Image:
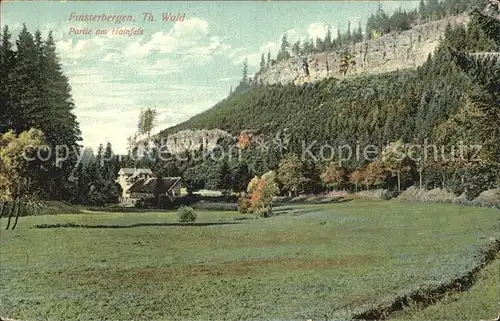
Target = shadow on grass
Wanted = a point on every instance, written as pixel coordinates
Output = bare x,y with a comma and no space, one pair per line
292,211
312,202
73,225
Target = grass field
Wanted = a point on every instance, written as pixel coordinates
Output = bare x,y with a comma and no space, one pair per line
483,298
310,261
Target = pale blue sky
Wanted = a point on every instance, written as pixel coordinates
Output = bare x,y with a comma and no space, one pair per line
179,68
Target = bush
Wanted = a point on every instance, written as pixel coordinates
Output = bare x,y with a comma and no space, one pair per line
140,204
244,205
386,195
263,212
436,195
488,198
186,214
374,194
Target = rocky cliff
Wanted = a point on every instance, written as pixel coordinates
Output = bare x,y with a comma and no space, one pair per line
192,140
407,49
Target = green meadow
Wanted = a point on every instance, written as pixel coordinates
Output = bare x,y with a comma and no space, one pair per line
307,262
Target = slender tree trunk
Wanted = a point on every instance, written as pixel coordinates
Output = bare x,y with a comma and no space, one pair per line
443,182
18,209
420,178
1,209
399,183
11,211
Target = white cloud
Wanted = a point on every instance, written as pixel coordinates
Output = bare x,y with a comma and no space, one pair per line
204,53
111,57
184,36
226,79
135,49
254,57
82,48
293,36
317,30
161,67
191,26
236,52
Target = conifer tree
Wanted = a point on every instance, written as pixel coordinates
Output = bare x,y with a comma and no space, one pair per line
244,78
262,63
328,39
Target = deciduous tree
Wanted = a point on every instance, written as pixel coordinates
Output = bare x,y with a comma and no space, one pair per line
290,174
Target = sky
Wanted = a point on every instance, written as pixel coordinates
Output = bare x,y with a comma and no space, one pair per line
180,68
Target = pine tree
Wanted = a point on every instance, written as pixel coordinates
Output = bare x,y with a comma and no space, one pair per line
359,35
320,46
339,39
244,78
7,112
110,164
59,123
328,39
349,36
296,48
262,63
422,11
283,54
223,176
241,176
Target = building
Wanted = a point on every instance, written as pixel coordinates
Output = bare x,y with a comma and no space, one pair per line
139,183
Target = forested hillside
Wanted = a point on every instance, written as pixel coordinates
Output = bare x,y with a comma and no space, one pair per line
452,98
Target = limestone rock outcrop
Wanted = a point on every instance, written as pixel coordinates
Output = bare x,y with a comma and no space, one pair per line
401,50
192,140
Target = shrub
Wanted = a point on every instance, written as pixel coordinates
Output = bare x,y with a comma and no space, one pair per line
421,195
186,214
263,212
462,200
244,205
386,195
488,198
374,194
140,204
